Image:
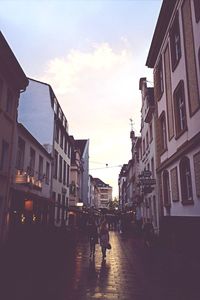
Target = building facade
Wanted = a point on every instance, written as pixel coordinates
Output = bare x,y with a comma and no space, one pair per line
147,155
174,56
41,113
13,81
31,186
105,193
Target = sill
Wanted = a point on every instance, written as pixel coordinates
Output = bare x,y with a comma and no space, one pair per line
180,133
187,202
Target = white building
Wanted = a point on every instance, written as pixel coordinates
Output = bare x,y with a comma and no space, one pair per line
175,57
31,186
41,113
148,187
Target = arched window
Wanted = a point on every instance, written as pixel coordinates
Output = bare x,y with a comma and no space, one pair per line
186,181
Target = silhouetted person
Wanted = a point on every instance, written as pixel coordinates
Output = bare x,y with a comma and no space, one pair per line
104,238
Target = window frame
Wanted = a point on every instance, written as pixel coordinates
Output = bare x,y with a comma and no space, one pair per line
186,181
175,52
180,109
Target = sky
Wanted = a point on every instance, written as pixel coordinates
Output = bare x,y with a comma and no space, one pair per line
92,53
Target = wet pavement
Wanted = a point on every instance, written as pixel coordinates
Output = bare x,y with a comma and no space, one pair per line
62,270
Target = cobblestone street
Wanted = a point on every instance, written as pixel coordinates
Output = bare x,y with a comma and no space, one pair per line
66,272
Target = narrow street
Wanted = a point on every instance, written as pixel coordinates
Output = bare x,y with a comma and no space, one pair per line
62,270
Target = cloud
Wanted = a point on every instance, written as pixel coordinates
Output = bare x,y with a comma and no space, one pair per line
98,92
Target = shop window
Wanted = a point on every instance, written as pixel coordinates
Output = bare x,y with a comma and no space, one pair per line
175,43
186,181
179,109
197,10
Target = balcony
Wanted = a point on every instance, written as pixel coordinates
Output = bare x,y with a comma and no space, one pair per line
25,179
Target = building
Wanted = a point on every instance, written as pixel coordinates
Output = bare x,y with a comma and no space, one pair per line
41,113
83,146
174,56
76,174
94,194
148,187
105,193
122,186
13,81
31,187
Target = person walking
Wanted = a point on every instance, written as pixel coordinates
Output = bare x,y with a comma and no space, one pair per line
93,236
104,238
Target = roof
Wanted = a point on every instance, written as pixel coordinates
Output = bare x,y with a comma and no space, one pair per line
10,66
160,31
100,183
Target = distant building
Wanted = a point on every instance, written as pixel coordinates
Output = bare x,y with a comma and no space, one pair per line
122,186
41,113
76,174
94,193
13,81
83,146
31,187
147,156
105,193
175,57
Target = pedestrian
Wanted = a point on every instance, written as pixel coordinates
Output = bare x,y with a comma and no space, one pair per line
93,236
104,238
148,233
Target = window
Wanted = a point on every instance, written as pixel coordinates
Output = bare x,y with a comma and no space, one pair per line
20,154
60,168
151,132
40,168
175,43
67,175
69,151
1,88
64,172
179,109
4,156
196,162
61,139
9,103
32,162
159,85
147,139
55,163
186,181
163,132
197,10
47,172
143,146
166,189
65,145
174,184
57,133
152,167
58,208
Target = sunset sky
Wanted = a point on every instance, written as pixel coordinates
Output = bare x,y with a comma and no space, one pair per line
93,54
